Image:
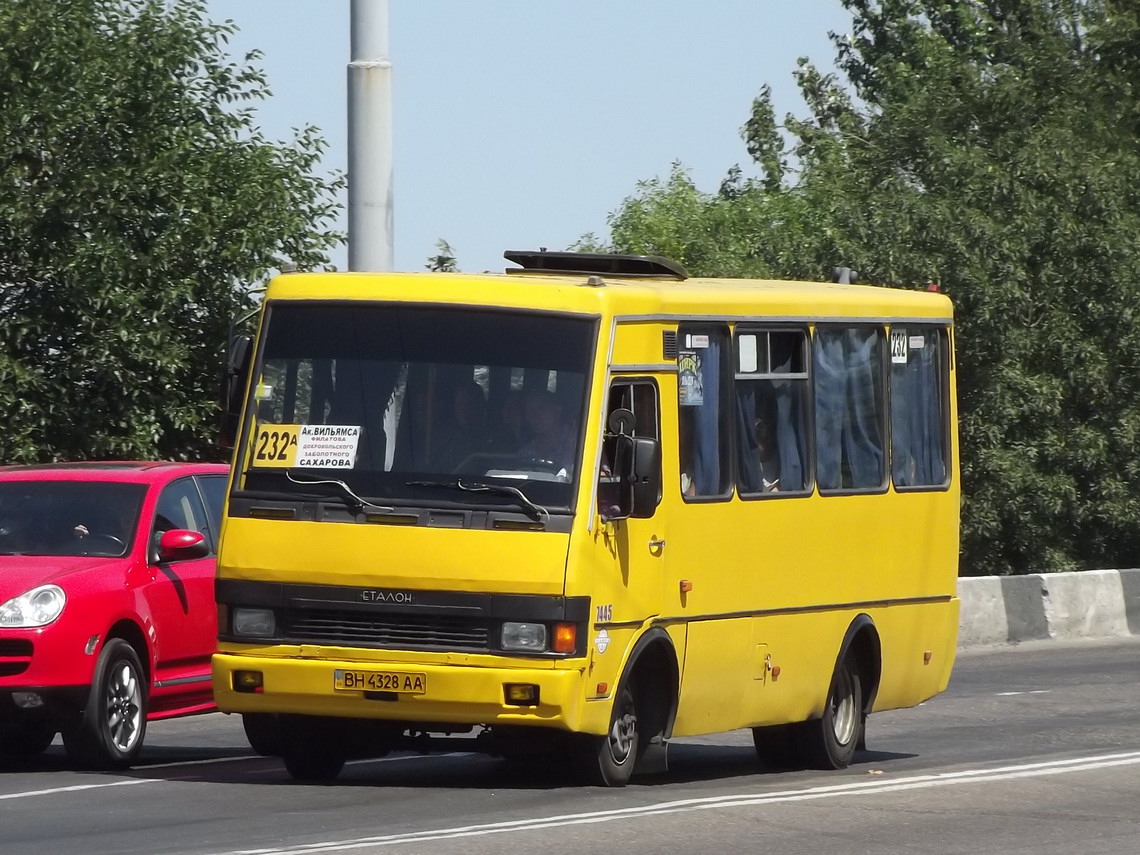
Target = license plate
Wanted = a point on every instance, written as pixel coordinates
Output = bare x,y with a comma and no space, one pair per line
379,681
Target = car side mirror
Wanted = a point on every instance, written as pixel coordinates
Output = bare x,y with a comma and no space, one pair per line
180,544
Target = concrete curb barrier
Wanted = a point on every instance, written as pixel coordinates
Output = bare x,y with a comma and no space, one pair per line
1009,609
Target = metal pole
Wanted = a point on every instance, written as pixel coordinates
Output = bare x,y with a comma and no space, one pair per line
369,139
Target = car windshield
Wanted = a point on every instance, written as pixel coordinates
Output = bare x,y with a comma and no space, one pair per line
68,517
395,400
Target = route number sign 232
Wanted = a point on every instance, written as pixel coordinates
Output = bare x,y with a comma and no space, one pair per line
276,445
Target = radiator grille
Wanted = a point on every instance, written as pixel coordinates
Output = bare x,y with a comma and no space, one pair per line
332,626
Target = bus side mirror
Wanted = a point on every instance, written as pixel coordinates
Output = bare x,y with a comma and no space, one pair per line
645,479
233,388
634,487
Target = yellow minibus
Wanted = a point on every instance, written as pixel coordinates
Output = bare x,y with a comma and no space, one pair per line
583,508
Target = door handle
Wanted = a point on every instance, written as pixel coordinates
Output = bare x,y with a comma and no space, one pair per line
654,545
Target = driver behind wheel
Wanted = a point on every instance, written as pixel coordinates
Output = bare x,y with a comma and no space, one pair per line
552,435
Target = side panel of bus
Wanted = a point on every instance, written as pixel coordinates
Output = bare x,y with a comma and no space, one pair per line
758,593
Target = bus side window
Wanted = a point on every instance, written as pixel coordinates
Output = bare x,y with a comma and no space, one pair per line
850,408
704,441
771,397
920,412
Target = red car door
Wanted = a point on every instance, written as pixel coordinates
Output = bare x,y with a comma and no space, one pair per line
180,596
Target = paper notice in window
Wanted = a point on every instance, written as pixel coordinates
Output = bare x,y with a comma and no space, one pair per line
327,446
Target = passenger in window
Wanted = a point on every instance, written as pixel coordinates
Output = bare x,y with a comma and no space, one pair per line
510,429
552,435
767,456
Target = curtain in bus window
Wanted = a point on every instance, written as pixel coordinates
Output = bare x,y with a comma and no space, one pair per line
791,438
704,465
747,446
361,392
918,436
706,439
848,408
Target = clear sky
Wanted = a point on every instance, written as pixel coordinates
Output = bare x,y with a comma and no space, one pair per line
524,123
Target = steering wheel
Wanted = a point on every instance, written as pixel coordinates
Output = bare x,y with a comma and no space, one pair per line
539,464
103,544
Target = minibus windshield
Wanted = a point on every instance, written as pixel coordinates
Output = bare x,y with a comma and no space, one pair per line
395,400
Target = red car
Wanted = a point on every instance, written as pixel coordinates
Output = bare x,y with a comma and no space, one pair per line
107,615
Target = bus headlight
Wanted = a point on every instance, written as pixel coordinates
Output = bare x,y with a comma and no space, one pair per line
261,623
524,636
38,607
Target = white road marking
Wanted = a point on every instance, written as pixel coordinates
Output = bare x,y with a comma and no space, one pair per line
178,763
73,789
77,787
879,785
1032,692
142,769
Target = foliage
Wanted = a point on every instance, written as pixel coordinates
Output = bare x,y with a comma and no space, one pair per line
990,146
444,259
137,203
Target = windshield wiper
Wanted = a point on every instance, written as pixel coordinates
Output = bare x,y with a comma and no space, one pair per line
539,512
354,502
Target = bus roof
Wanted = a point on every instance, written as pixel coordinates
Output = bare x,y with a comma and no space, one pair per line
614,296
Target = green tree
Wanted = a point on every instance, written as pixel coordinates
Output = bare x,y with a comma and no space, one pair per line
444,259
138,203
990,146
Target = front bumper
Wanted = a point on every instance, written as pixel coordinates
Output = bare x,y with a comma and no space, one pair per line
455,694
59,705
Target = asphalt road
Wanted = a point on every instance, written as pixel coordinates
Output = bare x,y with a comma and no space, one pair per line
1033,749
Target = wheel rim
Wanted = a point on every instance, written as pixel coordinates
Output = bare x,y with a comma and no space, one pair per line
623,734
844,716
124,706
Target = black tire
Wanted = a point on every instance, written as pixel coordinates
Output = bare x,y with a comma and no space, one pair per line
263,730
110,733
830,741
25,741
609,760
780,746
310,752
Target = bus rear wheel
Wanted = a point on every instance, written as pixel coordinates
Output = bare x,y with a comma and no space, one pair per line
780,746
609,760
310,750
830,741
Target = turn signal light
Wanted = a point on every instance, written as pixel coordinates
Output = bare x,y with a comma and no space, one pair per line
565,638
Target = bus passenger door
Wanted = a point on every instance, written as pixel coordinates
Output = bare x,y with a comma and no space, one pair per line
628,592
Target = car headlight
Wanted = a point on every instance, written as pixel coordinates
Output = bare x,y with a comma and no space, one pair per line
524,636
259,623
38,607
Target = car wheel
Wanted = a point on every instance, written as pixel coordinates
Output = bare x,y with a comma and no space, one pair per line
25,741
110,733
609,760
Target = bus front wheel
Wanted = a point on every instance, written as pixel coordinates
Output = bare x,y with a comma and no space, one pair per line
609,760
